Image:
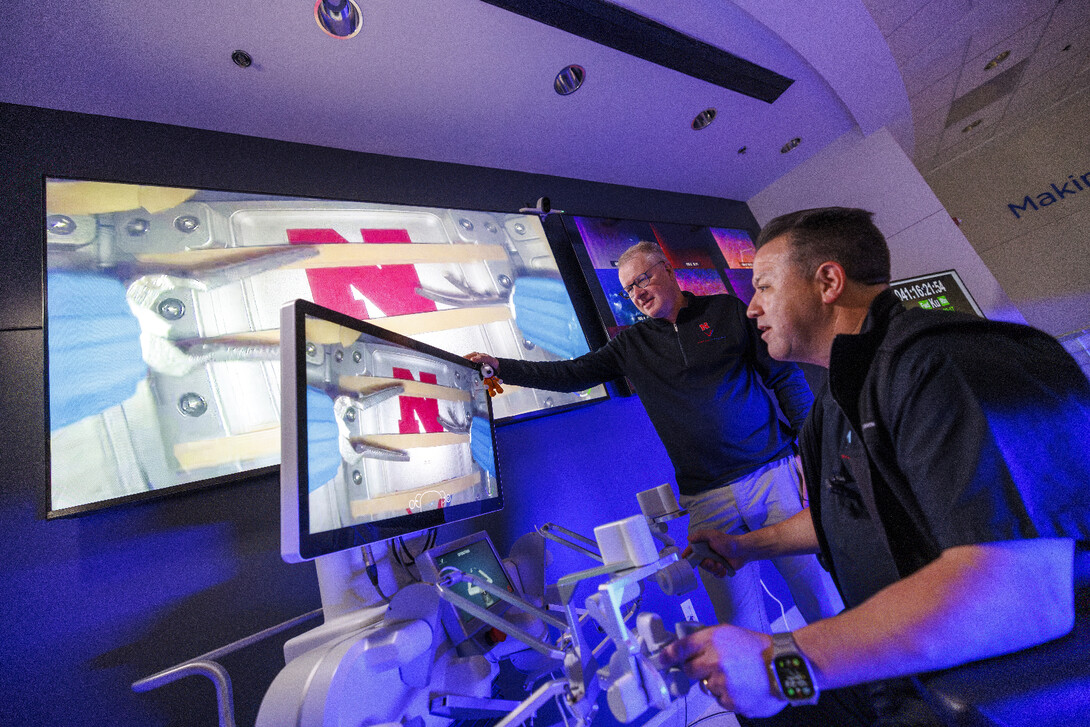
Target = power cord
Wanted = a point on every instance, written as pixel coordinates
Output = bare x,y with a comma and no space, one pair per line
404,556
783,614
372,571
407,558
703,719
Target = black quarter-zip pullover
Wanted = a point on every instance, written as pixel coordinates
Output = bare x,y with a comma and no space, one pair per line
703,384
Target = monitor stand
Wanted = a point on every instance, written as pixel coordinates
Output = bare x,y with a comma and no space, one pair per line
350,602
372,661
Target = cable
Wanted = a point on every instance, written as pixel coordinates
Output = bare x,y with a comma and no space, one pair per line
400,562
396,554
713,714
560,708
430,536
372,571
685,719
407,558
404,555
783,614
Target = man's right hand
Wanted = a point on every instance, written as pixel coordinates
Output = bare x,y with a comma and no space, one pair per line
725,545
484,358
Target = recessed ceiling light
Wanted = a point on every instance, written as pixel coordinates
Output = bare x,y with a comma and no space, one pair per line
569,80
997,60
790,145
242,59
338,18
703,119
972,126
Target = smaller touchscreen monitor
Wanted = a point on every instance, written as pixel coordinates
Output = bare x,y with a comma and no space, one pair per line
382,435
473,554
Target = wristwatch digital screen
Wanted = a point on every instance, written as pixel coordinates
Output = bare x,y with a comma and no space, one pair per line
790,671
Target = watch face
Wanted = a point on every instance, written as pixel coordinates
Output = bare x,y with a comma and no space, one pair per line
794,677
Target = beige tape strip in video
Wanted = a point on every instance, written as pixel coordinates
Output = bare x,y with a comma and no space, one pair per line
400,501
235,448
336,255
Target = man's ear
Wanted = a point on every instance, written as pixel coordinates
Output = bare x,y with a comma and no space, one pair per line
831,280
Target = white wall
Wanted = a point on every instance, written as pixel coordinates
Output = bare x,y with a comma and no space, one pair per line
875,174
1042,256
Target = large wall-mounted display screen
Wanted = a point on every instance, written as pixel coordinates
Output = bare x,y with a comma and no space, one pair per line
707,260
162,318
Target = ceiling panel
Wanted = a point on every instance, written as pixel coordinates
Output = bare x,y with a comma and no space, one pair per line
983,126
936,96
994,21
1074,44
892,14
1019,46
1034,31
1042,89
921,30
934,63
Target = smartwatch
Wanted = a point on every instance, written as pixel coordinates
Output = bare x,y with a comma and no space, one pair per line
790,673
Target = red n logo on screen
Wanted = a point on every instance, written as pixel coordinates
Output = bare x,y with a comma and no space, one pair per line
416,411
391,287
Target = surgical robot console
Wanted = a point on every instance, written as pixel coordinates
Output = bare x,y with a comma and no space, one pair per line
395,663
405,647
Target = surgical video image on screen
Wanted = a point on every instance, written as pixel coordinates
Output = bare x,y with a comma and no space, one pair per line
163,305
391,431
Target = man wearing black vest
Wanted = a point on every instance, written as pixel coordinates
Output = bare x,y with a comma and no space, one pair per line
949,488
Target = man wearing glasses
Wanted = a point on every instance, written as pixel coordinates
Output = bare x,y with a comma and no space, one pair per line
704,376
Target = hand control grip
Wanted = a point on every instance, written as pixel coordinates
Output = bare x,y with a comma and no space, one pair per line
702,550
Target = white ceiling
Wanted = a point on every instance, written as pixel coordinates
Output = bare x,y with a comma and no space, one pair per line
943,46
464,81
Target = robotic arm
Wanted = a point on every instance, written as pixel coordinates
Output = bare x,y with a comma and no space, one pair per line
634,678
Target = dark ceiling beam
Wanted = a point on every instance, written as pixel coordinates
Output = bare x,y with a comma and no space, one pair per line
621,29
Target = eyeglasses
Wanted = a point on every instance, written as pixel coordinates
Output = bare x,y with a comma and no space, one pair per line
641,280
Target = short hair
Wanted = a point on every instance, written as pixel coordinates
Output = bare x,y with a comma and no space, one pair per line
844,235
643,247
